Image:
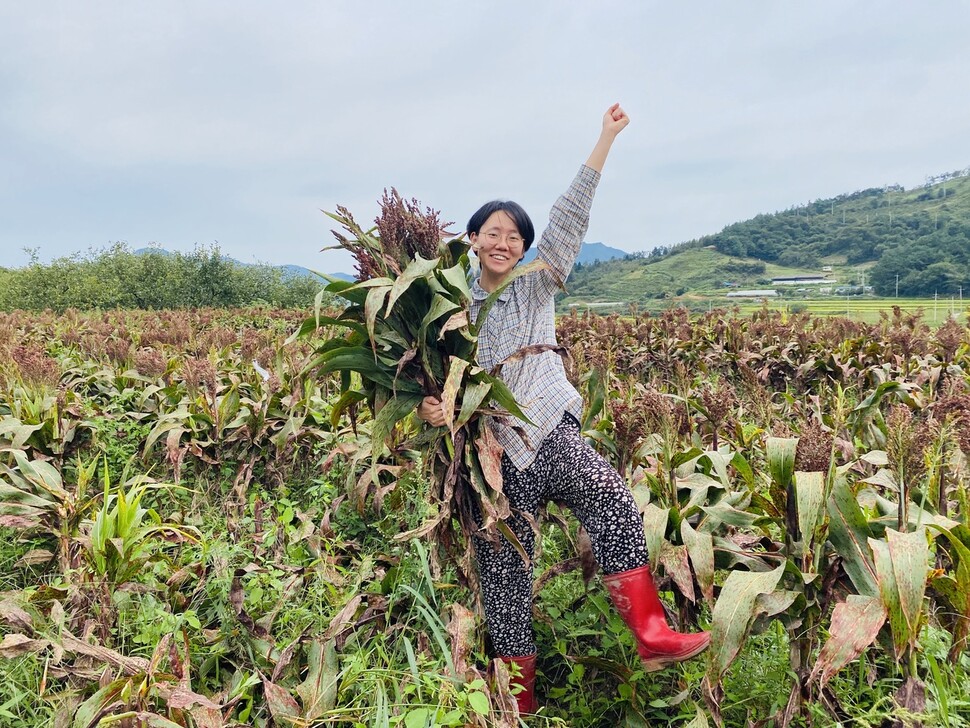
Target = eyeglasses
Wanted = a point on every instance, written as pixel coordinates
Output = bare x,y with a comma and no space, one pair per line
513,239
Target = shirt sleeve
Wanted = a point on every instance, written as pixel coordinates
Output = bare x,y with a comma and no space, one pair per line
561,240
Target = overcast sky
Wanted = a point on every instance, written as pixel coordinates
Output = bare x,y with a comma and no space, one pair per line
184,123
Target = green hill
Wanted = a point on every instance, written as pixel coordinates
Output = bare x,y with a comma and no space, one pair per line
921,235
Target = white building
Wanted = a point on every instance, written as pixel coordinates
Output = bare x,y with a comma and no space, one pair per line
752,294
802,281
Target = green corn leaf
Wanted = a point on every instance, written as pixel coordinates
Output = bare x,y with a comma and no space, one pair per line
356,291
506,400
719,464
394,410
16,433
512,539
318,691
228,406
743,467
956,586
725,513
810,497
440,306
849,534
780,452
417,269
699,720
700,548
455,280
596,396
902,564
347,399
373,305
361,360
735,610
314,323
475,394
654,529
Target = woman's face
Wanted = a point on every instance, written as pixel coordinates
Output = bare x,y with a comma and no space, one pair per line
499,246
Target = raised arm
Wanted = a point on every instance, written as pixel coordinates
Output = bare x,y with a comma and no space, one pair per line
569,219
614,121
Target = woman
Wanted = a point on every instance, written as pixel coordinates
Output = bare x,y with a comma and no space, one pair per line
559,465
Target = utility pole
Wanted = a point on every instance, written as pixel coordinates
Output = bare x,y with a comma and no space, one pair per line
936,297
897,285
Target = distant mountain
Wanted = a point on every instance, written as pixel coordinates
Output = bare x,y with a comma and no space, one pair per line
910,242
297,271
589,253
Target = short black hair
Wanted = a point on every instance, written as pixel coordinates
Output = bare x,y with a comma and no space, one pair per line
514,210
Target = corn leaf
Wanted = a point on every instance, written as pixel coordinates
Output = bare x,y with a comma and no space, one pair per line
849,534
733,614
416,270
810,497
780,452
902,564
855,624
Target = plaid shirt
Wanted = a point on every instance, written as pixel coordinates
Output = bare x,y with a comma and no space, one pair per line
524,314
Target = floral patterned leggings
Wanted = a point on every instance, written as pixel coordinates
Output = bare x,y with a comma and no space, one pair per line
568,470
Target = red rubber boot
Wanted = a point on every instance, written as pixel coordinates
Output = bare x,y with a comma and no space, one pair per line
526,699
635,596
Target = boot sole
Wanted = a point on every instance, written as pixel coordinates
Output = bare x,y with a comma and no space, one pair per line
652,664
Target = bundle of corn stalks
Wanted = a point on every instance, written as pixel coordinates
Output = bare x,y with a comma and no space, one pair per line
409,335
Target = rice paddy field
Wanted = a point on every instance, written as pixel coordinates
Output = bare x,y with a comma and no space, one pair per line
867,309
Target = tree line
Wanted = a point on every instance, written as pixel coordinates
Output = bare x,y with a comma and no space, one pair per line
918,239
116,277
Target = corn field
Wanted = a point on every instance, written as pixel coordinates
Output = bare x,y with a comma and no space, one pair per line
197,531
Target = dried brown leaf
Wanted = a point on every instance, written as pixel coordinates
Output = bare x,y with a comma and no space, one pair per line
563,567
128,665
505,707
344,618
19,522
287,655
490,456
676,562
855,624
15,645
35,557
14,616
461,629
584,548
238,598
181,698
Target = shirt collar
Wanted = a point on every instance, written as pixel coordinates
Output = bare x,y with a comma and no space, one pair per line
480,294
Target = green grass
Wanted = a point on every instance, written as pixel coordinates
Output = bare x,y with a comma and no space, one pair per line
642,280
866,309
858,308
